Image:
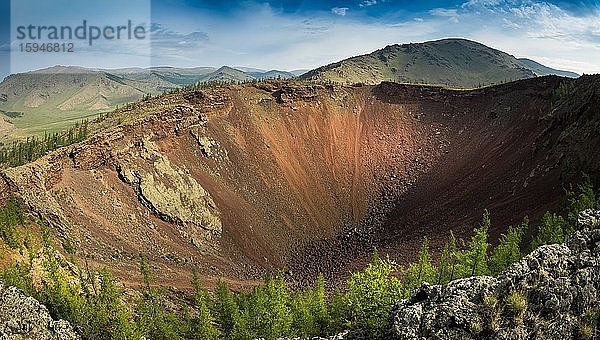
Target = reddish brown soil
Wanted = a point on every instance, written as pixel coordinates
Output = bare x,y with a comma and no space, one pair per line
315,177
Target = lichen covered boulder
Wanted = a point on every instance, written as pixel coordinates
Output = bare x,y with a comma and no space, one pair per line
552,293
23,317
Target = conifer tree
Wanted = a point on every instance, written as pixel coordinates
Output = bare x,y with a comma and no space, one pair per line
338,312
474,260
371,294
448,259
553,229
203,326
508,250
319,306
422,271
303,324
584,199
226,310
154,321
277,303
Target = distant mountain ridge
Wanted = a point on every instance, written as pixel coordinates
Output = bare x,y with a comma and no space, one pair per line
542,70
451,62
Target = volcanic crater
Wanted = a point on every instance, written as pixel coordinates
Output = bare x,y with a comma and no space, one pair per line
308,178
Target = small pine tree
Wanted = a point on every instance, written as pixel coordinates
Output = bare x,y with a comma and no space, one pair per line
448,259
474,259
508,250
303,324
11,216
422,271
277,303
203,325
146,272
338,312
370,295
553,229
151,316
318,305
227,311
258,315
105,315
578,202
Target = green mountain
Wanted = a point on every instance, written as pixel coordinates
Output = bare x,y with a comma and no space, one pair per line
60,96
542,70
273,74
227,74
450,62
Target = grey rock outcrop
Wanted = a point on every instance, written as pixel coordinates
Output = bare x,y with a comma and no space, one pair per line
23,317
172,193
552,293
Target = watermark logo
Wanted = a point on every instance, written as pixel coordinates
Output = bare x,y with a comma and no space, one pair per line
83,32
92,34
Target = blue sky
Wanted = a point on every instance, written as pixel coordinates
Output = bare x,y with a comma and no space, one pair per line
294,34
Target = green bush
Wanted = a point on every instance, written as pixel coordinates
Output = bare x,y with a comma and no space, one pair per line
11,216
516,304
371,294
17,275
588,326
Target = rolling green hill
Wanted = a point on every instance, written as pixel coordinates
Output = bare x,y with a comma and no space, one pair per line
451,62
54,98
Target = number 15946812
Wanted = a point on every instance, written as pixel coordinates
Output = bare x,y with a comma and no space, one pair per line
47,47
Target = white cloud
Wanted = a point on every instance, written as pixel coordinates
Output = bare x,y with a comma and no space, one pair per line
529,28
339,10
367,3
450,13
481,3
165,38
444,12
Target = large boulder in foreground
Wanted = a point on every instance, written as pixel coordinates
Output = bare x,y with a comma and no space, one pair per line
552,293
23,317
